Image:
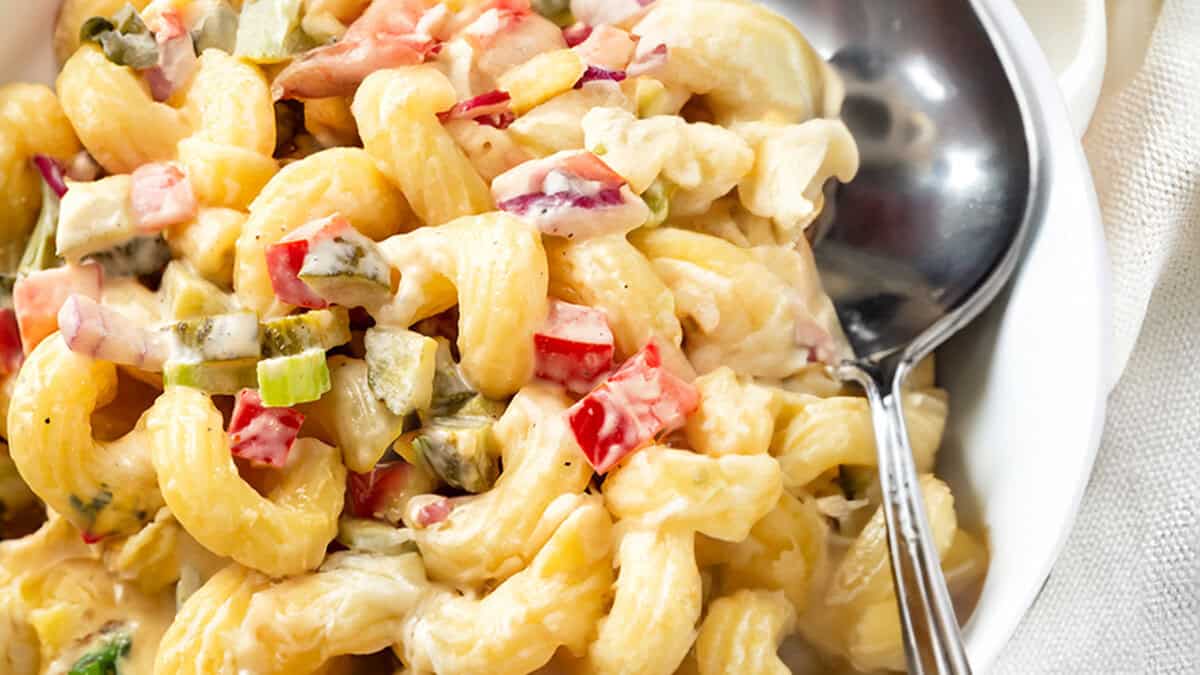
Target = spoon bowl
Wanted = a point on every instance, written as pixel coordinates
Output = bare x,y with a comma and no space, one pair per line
923,239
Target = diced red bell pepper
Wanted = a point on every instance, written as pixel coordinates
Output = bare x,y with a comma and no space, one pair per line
260,434
162,196
38,296
285,259
11,355
641,400
372,495
574,346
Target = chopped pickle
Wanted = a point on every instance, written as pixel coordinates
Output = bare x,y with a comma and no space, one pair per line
215,338
450,388
216,29
269,31
347,270
400,368
319,329
658,198
460,451
104,657
125,39
187,295
358,422
288,380
215,377
557,11
481,407
372,536
39,251
134,257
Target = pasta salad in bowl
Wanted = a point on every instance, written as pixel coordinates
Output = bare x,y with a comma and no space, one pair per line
436,337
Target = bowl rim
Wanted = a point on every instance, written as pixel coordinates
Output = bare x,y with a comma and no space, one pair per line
1063,166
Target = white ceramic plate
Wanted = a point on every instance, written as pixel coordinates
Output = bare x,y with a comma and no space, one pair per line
1027,380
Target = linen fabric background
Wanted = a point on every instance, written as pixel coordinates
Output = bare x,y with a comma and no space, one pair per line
1125,595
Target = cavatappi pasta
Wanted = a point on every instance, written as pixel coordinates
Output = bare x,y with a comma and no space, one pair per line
464,337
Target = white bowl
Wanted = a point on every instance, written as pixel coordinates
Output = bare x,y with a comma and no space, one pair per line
1028,380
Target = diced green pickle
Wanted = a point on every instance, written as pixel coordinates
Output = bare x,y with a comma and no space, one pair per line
269,31
39,250
450,388
216,29
347,270
372,536
216,338
481,407
287,380
658,198
187,295
400,368
460,451
360,424
319,329
214,377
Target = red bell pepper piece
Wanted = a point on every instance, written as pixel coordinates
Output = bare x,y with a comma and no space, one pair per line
641,400
260,434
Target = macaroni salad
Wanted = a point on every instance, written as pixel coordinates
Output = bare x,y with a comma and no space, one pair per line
374,336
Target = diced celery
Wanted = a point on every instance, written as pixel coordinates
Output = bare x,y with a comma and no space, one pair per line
461,452
400,368
360,424
319,329
372,536
134,257
187,295
450,388
214,377
39,251
650,95
658,198
269,31
215,338
217,28
347,270
288,380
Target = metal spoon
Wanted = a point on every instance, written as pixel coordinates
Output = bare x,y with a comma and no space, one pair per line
924,238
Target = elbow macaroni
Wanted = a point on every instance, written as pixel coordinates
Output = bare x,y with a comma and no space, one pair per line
754,518
396,111
496,266
103,488
285,532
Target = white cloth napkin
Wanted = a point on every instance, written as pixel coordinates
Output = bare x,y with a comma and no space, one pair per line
1125,595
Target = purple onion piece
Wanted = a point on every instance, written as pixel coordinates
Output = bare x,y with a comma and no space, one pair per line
51,173
540,202
596,73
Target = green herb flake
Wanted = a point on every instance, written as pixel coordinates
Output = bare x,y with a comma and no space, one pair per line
103,660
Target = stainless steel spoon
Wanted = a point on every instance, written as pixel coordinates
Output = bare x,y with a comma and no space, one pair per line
924,238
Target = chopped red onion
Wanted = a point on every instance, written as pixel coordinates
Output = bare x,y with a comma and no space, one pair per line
576,34
648,62
598,74
540,201
494,102
51,173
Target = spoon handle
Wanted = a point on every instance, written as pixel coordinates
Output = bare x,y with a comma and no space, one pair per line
932,641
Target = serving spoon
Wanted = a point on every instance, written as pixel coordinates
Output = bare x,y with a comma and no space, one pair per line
923,239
